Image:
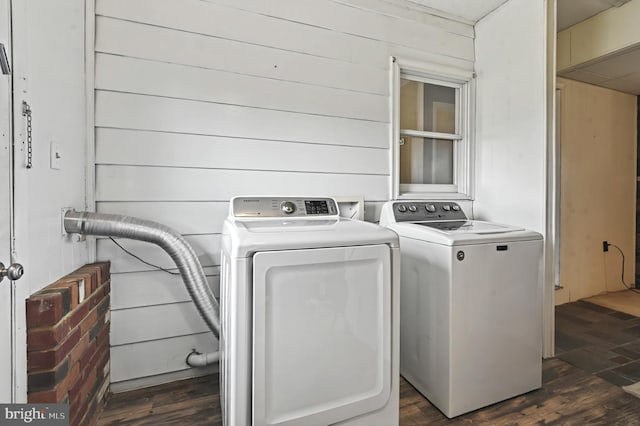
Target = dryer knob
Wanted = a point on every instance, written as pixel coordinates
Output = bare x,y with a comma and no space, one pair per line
446,208
456,208
430,208
413,208
402,208
288,207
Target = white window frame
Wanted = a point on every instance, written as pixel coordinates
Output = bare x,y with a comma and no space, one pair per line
463,82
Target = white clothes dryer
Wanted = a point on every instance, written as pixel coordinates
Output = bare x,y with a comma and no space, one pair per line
470,305
309,316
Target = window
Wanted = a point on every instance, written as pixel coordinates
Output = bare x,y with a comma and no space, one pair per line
431,133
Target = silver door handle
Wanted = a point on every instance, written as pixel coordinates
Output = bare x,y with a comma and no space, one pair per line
13,272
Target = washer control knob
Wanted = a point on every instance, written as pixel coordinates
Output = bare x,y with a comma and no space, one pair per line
413,208
446,208
430,208
287,207
455,207
402,208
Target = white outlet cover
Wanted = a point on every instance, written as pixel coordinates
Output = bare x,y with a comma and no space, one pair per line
56,155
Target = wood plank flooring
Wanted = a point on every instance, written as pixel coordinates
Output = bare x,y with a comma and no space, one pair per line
600,341
627,301
596,348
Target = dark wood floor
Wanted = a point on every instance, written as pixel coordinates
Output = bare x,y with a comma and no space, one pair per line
598,350
599,340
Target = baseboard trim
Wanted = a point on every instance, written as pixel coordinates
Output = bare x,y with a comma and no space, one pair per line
159,379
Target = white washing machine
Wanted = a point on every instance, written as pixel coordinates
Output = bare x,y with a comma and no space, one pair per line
470,305
309,316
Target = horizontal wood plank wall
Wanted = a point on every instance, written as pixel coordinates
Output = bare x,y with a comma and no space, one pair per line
198,101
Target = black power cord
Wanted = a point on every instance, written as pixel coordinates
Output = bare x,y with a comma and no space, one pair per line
150,264
622,277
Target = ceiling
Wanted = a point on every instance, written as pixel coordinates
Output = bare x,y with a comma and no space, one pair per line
468,10
618,71
570,12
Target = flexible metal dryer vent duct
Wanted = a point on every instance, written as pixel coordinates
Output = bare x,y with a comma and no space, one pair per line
112,225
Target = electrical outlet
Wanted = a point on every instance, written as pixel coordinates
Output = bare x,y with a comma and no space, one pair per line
605,246
55,156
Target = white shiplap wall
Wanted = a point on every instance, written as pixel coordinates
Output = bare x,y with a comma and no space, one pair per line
197,101
511,126
510,116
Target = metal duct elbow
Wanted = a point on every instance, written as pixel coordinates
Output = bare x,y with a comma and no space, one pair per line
196,359
111,225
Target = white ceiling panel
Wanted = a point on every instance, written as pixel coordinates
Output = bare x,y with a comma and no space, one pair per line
468,10
631,85
570,12
618,72
616,66
585,76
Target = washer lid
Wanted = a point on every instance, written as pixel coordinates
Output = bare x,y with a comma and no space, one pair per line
473,226
463,232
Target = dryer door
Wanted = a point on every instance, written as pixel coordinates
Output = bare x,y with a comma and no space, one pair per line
322,334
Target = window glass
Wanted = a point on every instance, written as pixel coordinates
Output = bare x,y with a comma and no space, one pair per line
426,160
432,131
427,107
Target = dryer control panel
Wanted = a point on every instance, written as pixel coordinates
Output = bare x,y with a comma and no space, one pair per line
414,211
283,207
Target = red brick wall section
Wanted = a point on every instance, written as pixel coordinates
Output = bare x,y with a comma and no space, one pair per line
68,343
